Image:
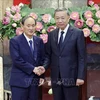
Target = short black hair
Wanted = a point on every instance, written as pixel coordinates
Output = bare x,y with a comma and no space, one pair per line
61,9
26,17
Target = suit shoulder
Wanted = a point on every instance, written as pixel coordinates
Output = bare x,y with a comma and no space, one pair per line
54,31
76,29
38,38
16,38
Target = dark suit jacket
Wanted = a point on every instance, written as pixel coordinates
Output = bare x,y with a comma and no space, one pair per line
70,61
23,62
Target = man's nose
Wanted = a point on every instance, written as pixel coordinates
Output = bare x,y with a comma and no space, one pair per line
30,27
60,20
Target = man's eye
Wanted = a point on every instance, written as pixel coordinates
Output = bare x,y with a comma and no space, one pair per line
62,18
28,25
57,18
33,25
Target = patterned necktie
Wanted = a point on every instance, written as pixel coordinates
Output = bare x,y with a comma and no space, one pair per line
30,41
61,40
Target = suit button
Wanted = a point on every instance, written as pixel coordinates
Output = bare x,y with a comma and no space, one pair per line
59,56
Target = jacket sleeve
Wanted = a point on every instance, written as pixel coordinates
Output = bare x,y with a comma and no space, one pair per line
17,59
47,53
42,53
81,56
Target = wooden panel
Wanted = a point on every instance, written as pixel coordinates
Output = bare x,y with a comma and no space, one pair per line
3,5
93,83
1,9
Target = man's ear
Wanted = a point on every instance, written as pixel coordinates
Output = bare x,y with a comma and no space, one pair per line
21,25
68,18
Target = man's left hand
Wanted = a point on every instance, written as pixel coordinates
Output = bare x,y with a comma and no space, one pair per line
79,82
41,81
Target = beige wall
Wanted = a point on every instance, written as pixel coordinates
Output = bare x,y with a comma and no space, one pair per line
3,5
57,3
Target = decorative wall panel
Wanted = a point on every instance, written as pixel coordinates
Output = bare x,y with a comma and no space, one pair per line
57,3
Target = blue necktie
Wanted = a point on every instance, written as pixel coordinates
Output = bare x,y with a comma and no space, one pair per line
30,41
61,40
33,51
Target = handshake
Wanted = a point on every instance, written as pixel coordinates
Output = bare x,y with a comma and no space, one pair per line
39,70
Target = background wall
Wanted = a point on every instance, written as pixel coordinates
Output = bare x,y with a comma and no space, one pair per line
57,3
3,5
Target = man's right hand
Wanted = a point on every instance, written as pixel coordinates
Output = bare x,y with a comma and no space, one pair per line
39,70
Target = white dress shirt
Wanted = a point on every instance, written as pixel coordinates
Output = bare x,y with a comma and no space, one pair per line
28,39
65,32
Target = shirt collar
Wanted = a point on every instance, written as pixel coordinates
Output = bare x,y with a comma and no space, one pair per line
28,39
65,30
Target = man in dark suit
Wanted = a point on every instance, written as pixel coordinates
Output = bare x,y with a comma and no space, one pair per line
65,54
27,52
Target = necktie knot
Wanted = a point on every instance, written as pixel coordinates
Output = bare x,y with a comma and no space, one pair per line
31,47
61,37
30,41
62,32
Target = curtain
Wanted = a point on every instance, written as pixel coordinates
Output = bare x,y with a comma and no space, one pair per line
95,1
16,2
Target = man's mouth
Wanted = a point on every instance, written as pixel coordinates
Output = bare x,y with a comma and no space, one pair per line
31,31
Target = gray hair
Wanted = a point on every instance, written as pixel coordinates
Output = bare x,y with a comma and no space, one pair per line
26,17
61,9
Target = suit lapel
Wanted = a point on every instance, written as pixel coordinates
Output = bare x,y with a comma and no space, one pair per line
56,37
67,37
26,45
35,48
